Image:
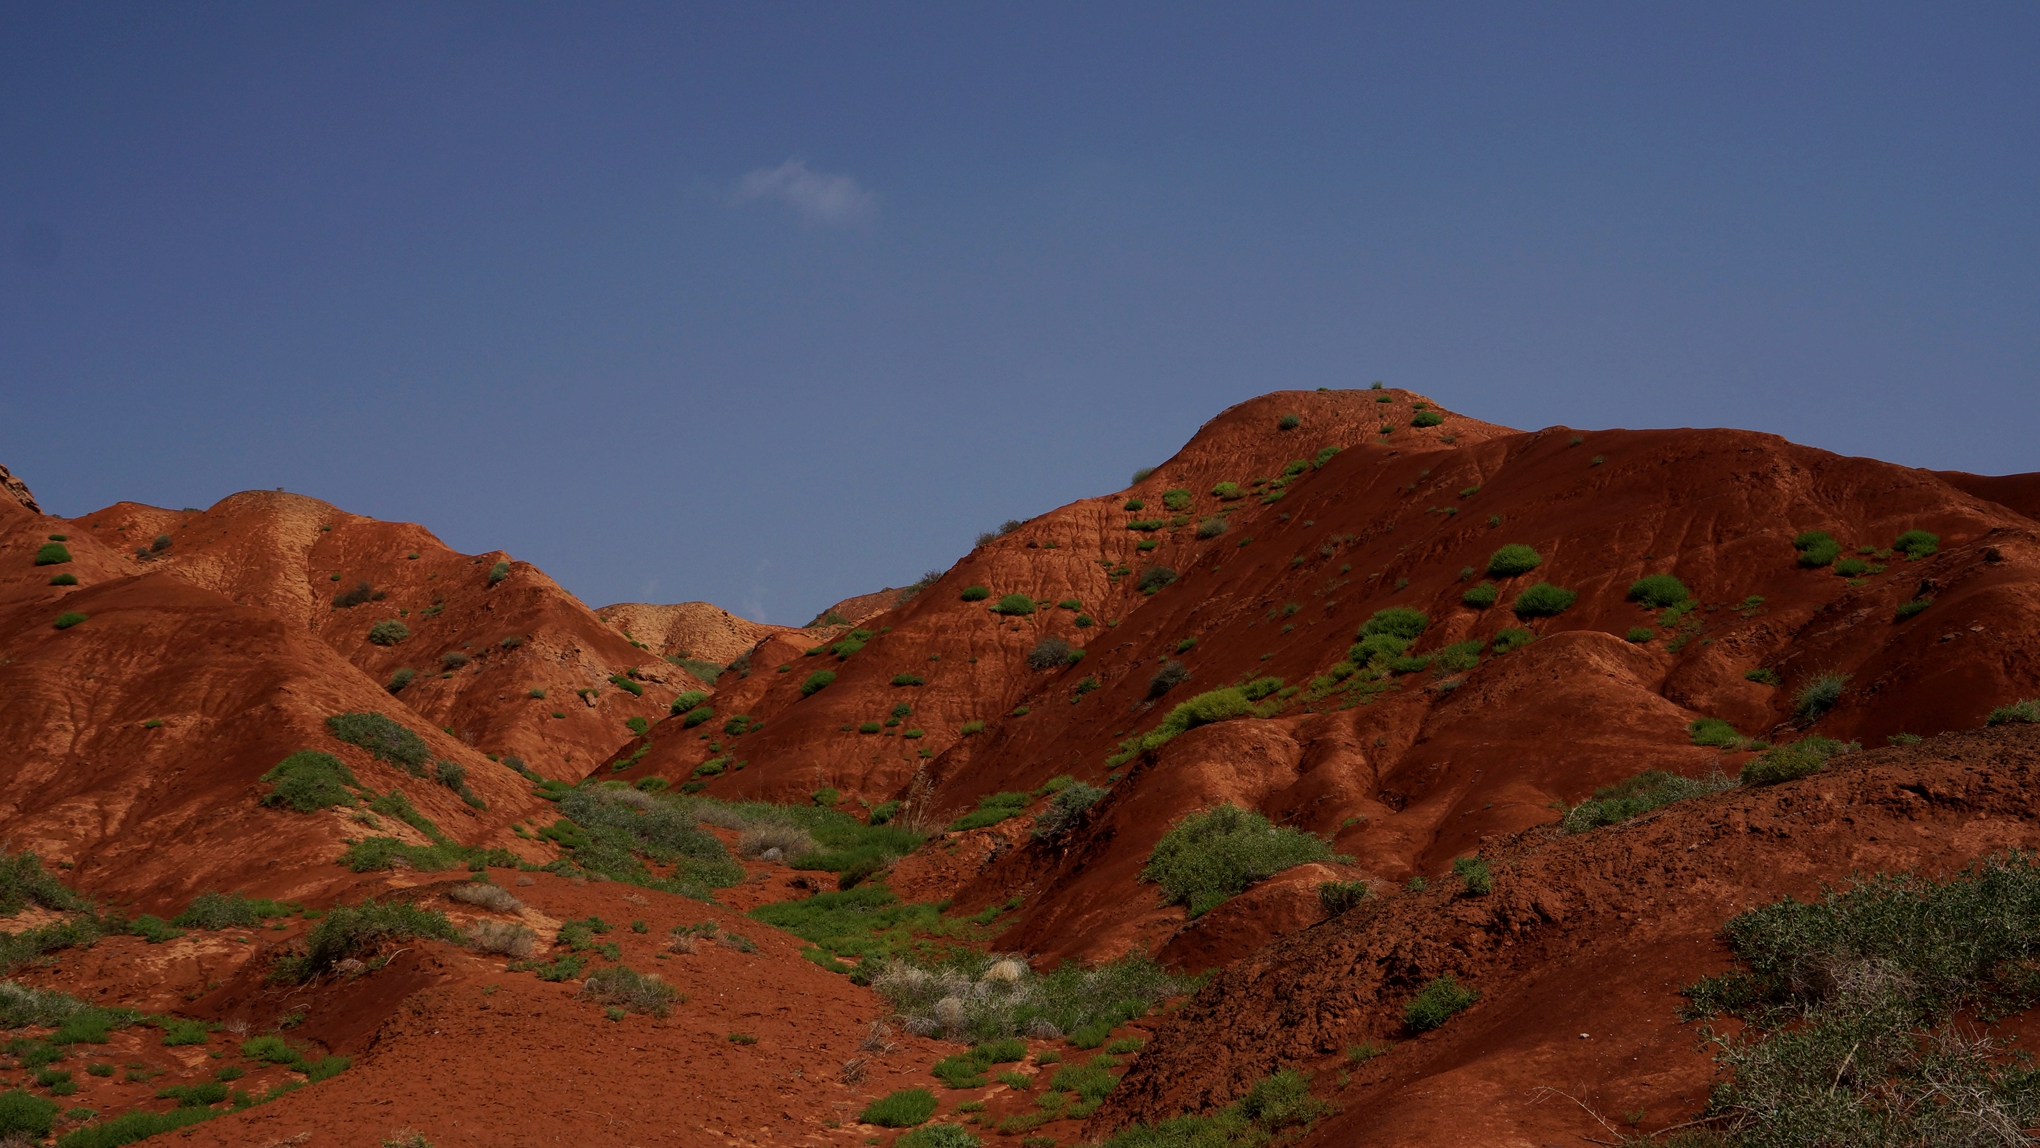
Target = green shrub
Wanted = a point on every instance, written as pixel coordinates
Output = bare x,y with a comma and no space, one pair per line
1154,578
1908,609
384,739
2027,711
128,1127
1917,544
1426,419
1480,596
827,797
1658,591
1850,567
1819,695
1475,875
1513,559
308,781
349,929
1762,675
388,632
1147,525
1066,810
1274,1104
401,678
1714,732
1176,500
679,705
1135,504
1612,804
51,554
991,809
969,728
1227,492
1288,422
453,660
1210,856
1439,1001
1816,548
620,681
816,681
626,988
68,619
1014,605
939,1136
498,572
1512,639
1050,653
1640,634
210,910
1542,601
24,1113
1396,621
902,1109
696,716
868,727
65,579
975,593
1790,762
1341,896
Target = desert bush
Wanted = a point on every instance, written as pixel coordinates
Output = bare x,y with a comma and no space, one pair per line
2027,711
348,599
1396,621
939,1136
1154,578
68,619
1511,639
1917,544
775,841
1816,548
65,579
1542,601
1048,654
1210,856
1176,501
1227,492
1341,896
621,825
486,895
1014,605
1762,675
1640,634
503,939
975,593
346,930
1513,559
388,632
1715,732
1211,527
902,1109
384,739
1135,504
498,572
1480,596
210,910
1659,591
1426,419
1850,567
627,988
1272,1105
52,554
1790,762
1066,810
401,678
1147,525
991,809
1439,1001
816,681
1612,804
1819,695
1908,609
1289,422
1141,475
696,716
909,680
1475,875
308,781
453,659
683,703
989,997
24,1114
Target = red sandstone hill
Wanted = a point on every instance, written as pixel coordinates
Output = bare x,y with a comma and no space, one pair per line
135,740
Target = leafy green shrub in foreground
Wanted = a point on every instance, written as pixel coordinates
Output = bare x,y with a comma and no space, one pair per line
1439,1001
1816,548
1014,605
385,739
816,681
1513,559
902,1109
1917,544
1543,600
1789,762
1613,804
1475,875
1210,856
308,781
388,632
1819,695
1659,591
24,1113
2026,711
975,593
51,554
346,930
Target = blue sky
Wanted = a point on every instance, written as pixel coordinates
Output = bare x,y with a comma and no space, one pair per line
770,304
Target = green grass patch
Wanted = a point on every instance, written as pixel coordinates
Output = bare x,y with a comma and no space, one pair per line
991,809
1216,854
1513,559
902,1109
1440,1000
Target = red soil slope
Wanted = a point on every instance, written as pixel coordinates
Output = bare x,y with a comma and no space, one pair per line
1409,778
1578,954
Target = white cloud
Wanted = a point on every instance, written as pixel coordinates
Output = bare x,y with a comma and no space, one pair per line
816,197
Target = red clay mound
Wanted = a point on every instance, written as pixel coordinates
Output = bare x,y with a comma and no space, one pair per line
1578,955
